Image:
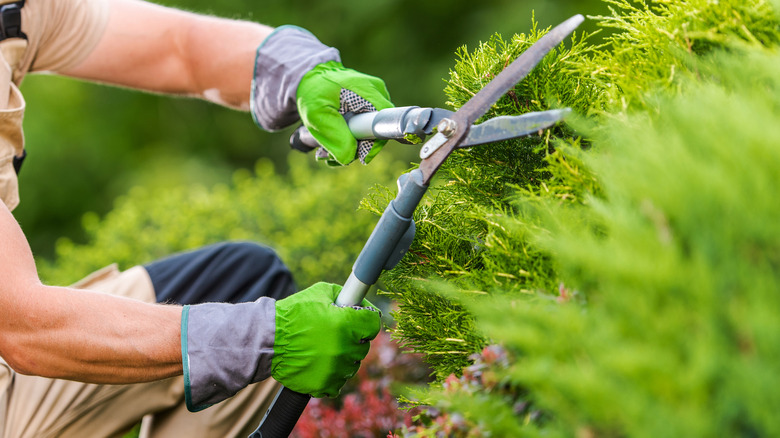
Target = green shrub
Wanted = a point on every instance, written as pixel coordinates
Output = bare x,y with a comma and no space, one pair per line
631,273
468,233
680,265
475,231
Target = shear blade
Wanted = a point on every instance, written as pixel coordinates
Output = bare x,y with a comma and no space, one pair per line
481,102
509,127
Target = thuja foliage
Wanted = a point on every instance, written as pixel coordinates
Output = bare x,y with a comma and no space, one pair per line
656,41
467,232
605,257
680,264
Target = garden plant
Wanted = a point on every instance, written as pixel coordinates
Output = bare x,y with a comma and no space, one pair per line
617,276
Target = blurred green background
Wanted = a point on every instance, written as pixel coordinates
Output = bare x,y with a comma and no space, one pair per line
88,144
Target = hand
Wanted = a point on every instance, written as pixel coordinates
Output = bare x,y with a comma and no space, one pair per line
318,344
305,342
298,77
325,94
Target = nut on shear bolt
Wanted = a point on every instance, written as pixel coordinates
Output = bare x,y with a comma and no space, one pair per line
447,127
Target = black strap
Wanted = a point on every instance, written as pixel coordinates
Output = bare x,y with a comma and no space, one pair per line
11,21
19,160
11,27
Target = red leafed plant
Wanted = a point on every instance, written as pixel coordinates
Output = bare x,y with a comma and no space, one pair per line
367,407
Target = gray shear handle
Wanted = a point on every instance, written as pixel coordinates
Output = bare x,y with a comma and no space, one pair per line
391,238
387,124
388,242
380,252
360,125
281,417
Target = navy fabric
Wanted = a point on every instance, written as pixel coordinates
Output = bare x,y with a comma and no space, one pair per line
231,272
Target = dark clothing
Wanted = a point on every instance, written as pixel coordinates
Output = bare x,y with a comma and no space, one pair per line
231,272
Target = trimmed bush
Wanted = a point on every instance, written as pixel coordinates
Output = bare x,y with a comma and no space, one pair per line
627,264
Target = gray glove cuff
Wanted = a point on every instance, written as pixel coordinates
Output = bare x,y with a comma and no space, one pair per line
225,347
282,60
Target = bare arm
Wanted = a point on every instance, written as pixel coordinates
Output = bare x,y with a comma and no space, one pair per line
75,334
87,336
158,49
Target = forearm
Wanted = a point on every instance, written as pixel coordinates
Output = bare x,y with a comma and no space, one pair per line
91,337
159,49
222,59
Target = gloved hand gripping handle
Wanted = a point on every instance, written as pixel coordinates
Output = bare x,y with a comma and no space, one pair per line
386,124
385,247
360,125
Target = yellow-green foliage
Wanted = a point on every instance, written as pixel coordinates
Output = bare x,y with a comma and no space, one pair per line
681,269
660,236
476,230
656,40
309,216
467,229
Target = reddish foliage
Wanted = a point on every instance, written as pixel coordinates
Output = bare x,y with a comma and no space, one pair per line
366,406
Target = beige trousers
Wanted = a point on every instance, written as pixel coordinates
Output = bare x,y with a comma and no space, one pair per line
39,407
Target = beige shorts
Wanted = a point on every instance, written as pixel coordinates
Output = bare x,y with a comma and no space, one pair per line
40,407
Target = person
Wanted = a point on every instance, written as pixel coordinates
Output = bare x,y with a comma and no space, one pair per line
217,327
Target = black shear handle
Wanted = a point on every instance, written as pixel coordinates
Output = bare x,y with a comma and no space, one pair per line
281,417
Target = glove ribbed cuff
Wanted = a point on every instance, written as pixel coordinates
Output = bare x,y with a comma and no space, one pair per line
225,347
282,60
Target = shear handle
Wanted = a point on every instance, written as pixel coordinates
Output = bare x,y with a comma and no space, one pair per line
387,124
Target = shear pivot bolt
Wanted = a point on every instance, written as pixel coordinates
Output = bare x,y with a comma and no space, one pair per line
447,127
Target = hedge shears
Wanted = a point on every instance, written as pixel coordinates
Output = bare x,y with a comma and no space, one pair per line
395,229
412,124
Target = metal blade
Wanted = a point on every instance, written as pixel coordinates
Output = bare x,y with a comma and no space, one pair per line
478,105
508,127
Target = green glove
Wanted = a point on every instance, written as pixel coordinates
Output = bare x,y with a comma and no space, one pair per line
298,78
304,341
311,360
325,94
